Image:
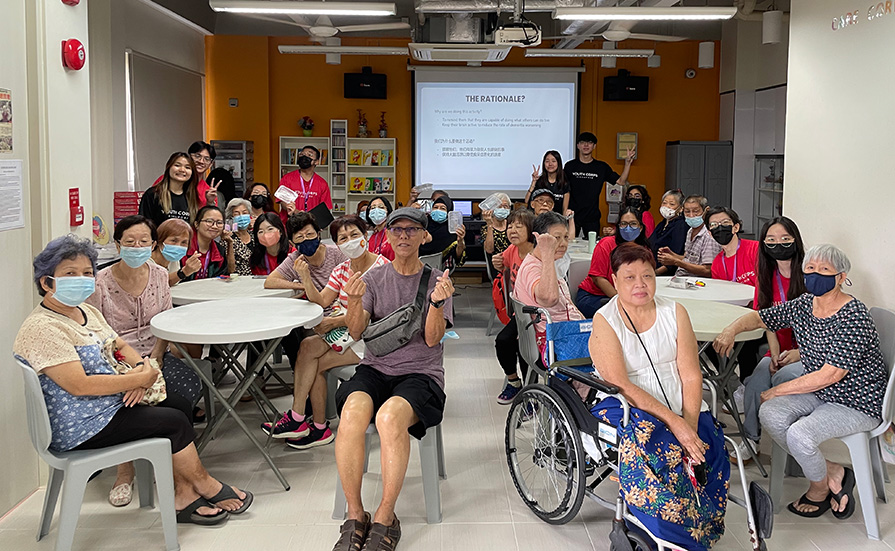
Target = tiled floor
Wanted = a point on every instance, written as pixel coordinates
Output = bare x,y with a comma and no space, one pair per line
480,504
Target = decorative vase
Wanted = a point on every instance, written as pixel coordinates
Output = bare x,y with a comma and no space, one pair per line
361,131
383,133
307,131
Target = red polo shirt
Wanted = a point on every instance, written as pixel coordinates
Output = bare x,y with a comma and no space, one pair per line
740,267
600,266
310,194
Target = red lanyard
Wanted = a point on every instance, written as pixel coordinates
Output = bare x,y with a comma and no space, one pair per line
780,286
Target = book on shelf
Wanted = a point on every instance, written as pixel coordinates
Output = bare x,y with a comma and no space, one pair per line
385,185
374,157
357,156
374,184
358,184
324,157
368,157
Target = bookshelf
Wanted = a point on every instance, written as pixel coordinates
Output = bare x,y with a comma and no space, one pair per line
239,158
370,170
338,185
290,146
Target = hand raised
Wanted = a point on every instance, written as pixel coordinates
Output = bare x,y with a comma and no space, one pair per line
290,208
211,194
547,241
632,152
301,266
488,216
461,231
535,172
355,287
192,264
497,262
444,288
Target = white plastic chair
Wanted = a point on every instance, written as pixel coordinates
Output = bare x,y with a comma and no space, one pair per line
863,447
69,471
577,272
333,376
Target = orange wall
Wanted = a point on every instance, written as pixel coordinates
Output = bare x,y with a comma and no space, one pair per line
275,90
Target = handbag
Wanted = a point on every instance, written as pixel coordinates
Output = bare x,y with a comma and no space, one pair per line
158,392
390,333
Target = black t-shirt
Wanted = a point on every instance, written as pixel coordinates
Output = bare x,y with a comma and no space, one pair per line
586,185
151,207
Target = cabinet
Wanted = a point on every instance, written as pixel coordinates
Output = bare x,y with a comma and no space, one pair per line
770,121
238,157
700,168
768,189
370,170
338,184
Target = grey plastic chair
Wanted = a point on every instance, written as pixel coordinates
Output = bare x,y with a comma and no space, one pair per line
333,376
435,261
528,342
431,464
863,447
69,471
577,272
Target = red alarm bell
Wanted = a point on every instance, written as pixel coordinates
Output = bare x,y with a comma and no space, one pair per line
73,54
71,2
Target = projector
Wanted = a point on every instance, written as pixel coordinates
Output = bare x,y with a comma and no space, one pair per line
518,34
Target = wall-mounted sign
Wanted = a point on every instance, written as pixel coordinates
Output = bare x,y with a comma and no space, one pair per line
874,12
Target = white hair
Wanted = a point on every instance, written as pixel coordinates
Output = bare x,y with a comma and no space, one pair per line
237,202
676,194
831,254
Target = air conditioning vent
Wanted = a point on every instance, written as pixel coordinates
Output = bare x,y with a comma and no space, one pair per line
467,53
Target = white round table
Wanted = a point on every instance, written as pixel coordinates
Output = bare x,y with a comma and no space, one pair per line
215,288
715,290
710,318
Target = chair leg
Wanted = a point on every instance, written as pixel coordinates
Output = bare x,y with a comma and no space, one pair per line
144,482
54,484
164,482
442,470
70,507
879,470
778,466
491,317
332,383
429,464
859,449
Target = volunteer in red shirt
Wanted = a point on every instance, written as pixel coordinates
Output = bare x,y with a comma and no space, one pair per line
737,259
598,287
312,189
202,154
208,226
271,244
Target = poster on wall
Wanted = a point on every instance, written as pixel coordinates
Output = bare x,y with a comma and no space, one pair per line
12,196
5,120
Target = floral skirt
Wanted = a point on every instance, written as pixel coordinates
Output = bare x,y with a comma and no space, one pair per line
655,484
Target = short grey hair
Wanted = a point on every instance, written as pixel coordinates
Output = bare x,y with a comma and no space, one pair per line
504,198
237,202
702,201
67,247
676,193
830,254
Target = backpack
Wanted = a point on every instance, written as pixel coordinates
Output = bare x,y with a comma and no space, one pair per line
499,296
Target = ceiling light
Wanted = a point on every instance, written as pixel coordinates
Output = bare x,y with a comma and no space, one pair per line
303,7
551,52
682,13
344,50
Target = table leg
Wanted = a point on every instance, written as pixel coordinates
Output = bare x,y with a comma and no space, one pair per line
257,393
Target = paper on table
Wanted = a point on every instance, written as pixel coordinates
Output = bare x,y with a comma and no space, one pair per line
285,194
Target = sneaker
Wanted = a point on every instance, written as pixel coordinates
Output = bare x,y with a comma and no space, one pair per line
739,397
287,427
316,437
510,392
744,452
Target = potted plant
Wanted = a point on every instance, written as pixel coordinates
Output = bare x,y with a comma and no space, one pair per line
307,125
361,124
383,126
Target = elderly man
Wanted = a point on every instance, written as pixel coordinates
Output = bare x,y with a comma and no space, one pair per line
400,382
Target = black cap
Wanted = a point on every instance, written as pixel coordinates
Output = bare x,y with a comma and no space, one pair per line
541,191
587,137
407,213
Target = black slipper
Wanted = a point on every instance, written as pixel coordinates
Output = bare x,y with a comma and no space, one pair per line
189,515
848,489
822,506
228,493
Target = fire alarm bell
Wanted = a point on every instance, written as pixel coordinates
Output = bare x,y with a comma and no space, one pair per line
73,54
71,2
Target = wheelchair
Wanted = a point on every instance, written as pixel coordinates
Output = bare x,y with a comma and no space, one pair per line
558,452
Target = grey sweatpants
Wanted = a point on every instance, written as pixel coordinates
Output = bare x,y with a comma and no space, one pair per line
800,422
761,380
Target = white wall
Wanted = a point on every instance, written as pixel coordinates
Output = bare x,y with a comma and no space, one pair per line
839,140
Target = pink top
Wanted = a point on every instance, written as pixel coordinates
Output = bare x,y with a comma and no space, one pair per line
128,315
524,290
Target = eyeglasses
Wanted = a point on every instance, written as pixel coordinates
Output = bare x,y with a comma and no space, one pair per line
629,224
784,244
398,231
203,158
213,223
298,238
133,243
725,223
542,201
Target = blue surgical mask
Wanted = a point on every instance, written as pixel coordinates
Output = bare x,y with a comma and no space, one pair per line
309,246
135,256
501,214
73,290
242,221
819,284
628,233
694,221
173,253
377,215
438,216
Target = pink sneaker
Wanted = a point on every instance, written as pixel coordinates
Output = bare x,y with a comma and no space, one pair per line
287,427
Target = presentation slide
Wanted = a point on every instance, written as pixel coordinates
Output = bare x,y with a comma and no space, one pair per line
475,138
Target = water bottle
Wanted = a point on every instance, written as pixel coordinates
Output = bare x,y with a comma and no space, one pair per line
591,241
455,220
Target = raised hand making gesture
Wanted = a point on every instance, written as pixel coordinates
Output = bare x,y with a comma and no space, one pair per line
355,287
211,195
444,288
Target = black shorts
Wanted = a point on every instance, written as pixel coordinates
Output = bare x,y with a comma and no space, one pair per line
166,420
421,392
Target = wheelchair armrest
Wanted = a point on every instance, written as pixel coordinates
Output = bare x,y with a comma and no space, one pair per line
533,310
587,378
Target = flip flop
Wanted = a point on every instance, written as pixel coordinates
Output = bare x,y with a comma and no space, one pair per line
848,488
228,493
189,515
822,506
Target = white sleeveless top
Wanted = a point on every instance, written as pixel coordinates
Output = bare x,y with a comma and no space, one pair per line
661,342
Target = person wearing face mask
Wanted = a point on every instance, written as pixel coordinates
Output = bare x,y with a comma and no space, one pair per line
700,248
738,257
671,232
496,240
841,392
271,244
316,355
312,189
260,199
128,295
212,256
203,154
174,236
243,240
176,195
636,196
452,247
598,287
376,213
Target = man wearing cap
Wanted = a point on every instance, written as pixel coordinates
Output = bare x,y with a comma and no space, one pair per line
401,390
586,176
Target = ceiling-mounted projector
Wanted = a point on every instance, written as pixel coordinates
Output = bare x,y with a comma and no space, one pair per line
518,34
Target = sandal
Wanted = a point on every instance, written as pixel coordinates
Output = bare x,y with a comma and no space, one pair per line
848,488
382,537
353,534
822,506
189,515
228,493
122,494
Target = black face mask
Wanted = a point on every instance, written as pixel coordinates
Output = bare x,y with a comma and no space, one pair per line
722,234
259,201
779,252
304,162
635,202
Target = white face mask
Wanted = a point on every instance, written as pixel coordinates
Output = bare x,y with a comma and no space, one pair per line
354,248
667,212
562,265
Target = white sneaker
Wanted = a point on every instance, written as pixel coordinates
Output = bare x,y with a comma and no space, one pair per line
744,452
739,397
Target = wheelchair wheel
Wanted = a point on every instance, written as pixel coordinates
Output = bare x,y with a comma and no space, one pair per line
545,454
640,543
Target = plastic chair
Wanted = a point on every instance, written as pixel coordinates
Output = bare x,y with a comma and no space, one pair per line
434,261
431,464
577,272
333,376
863,447
69,471
528,342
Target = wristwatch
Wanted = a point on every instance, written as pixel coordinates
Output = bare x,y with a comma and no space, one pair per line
180,275
436,304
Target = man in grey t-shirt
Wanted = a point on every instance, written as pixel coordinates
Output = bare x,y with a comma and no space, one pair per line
404,389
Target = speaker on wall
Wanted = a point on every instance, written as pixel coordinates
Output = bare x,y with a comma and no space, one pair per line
365,85
625,87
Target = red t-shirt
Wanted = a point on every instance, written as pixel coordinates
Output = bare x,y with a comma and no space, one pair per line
780,285
378,244
201,189
511,262
269,264
740,267
600,266
649,224
310,194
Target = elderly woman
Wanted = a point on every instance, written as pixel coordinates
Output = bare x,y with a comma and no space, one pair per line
841,392
174,236
671,232
644,344
128,295
240,251
91,405
496,240
700,248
